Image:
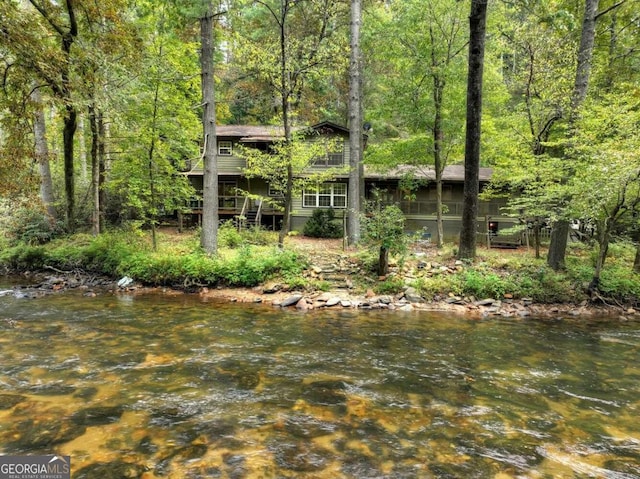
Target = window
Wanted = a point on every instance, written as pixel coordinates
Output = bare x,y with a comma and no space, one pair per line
274,191
227,194
225,148
327,195
332,158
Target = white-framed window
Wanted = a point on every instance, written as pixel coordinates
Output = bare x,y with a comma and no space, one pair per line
326,195
225,148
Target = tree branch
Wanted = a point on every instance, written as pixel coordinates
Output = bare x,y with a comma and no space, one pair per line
612,7
48,18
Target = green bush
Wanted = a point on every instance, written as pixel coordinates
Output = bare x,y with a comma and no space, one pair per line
243,268
391,285
483,284
323,224
258,236
439,285
23,221
228,235
24,257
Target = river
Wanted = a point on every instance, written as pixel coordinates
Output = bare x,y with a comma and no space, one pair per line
156,386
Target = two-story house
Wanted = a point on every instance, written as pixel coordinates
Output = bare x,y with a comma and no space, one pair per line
419,207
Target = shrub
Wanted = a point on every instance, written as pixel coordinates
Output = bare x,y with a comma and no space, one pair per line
24,257
383,230
258,236
392,285
26,222
242,268
483,285
439,285
228,235
323,224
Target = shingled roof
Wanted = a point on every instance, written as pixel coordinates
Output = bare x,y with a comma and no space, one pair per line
248,133
252,133
450,173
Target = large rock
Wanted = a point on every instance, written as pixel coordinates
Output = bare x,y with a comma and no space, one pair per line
412,295
302,305
291,300
325,393
333,301
485,302
42,433
97,415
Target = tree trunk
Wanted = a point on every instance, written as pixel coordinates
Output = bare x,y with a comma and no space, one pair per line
69,177
95,169
62,90
70,118
536,236
83,151
383,261
636,260
603,243
285,93
585,53
438,88
558,243
288,199
209,238
153,213
96,126
477,23
102,171
42,156
355,126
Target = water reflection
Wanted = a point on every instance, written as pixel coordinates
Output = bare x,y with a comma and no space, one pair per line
154,386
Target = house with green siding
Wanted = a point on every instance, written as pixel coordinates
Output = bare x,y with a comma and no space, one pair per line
252,199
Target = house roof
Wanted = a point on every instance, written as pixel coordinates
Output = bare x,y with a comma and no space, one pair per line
267,133
450,173
251,132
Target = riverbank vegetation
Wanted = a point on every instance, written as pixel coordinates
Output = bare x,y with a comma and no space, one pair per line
246,259
251,258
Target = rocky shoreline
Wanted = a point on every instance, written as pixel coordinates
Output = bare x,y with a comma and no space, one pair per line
409,301
275,295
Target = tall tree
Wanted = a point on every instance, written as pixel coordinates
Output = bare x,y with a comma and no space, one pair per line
560,231
209,239
419,86
606,185
537,73
288,45
65,26
355,125
477,25
159,131
42,154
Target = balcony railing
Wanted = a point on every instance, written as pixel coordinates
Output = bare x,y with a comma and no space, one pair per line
453,208
233,205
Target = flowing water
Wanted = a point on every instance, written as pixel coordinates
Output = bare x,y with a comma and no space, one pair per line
173,387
